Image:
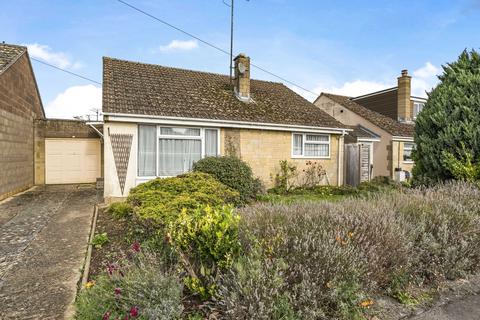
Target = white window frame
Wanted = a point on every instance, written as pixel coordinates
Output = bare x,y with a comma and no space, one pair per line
416,109
159,136
410,148
304,141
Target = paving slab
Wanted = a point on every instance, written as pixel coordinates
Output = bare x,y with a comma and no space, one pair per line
43,239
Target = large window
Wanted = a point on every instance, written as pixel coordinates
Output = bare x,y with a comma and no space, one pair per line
309,145
407,151
170,151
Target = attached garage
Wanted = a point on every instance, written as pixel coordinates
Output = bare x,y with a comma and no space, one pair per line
72,160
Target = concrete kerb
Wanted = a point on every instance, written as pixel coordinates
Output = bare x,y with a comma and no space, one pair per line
88,256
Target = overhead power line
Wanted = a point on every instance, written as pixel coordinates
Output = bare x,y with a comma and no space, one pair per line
66,71
212,45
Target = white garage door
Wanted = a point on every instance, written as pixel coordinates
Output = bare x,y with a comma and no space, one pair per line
72,160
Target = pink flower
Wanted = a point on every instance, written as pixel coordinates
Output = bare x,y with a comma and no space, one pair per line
134,312
136,246
111,268
106,315
118,291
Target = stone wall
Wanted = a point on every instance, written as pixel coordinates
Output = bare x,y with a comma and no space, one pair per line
58,129
20,105
264,149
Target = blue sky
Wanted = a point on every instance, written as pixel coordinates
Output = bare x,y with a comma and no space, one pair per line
347,47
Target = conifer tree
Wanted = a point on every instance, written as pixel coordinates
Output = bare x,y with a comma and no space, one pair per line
447,131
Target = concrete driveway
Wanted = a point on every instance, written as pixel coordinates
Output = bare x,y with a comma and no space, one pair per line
43,239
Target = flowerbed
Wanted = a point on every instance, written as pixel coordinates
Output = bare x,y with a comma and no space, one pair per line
302,260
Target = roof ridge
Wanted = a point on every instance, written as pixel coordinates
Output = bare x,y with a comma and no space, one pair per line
371,114
183,69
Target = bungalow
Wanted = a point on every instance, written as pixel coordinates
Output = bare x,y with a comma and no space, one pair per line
389,114
159,120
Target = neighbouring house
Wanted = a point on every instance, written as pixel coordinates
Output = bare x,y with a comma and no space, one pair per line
35,150
20,106
159,120
389,115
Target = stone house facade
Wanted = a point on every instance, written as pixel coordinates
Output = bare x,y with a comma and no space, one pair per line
390,115
159,120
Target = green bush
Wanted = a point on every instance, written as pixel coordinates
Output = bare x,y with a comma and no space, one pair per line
99,240
161,200
144,286
120,209
448,126
232,172
207,240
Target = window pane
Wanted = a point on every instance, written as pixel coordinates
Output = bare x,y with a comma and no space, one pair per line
297,144
211,142
147,135
407,151
180,131
316,137
316,150
176,156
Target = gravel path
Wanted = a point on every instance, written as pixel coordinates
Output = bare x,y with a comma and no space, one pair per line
43,239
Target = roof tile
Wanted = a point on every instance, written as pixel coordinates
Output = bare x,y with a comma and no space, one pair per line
146,89
386,123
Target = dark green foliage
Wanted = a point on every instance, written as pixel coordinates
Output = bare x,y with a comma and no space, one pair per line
161,200
447,131
232,172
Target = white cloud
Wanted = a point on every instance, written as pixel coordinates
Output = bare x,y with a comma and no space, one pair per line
350,88
75,101
180,45
424,79
45,53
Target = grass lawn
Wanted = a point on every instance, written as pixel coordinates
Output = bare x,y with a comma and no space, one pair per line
300,197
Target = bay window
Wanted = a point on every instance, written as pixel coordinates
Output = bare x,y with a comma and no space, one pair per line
169,151
309,145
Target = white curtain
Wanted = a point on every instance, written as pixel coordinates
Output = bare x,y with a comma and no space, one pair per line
146,151
316,150
177,156
297,144
211,142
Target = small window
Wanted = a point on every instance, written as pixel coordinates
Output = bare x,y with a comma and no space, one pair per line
297,144
211,142
407,151
147,153
170,131
309,145
417,108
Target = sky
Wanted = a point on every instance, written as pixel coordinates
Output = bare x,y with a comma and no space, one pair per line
345,47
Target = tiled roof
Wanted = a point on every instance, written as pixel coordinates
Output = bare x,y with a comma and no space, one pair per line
146,89
9,54
388,124
361,132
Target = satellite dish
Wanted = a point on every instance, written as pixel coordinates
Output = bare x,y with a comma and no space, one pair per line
241,68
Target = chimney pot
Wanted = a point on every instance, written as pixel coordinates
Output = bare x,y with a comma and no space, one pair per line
404,72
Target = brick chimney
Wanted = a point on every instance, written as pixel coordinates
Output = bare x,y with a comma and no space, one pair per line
404,109
242,77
